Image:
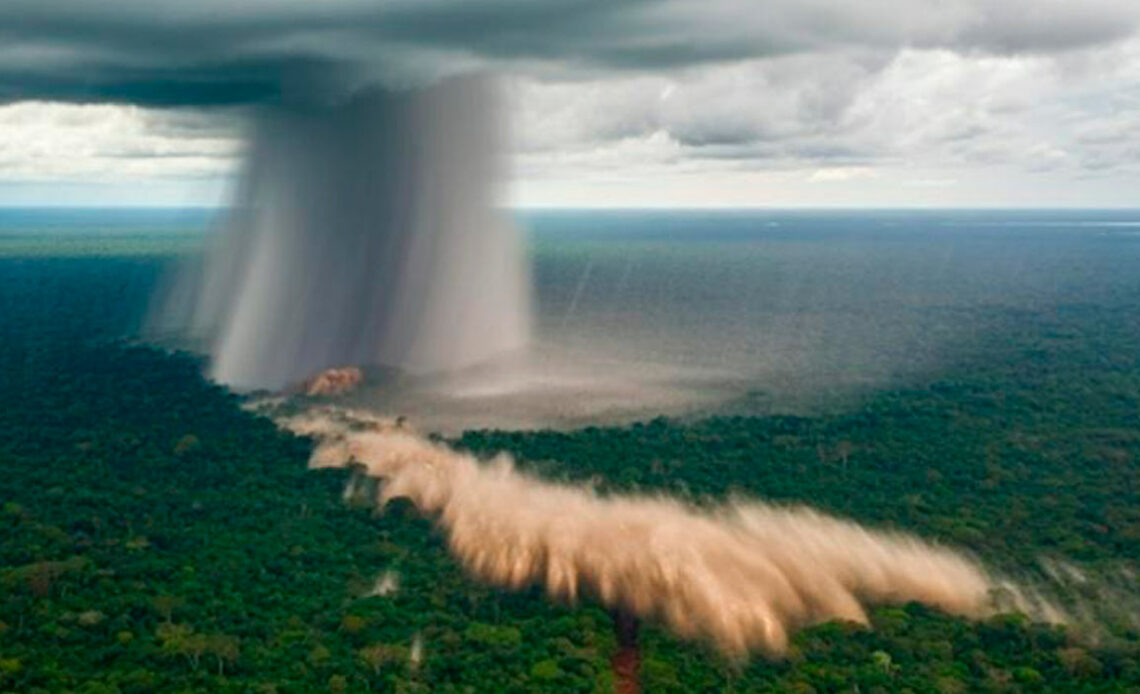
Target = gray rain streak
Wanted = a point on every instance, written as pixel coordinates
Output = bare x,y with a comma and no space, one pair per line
363,233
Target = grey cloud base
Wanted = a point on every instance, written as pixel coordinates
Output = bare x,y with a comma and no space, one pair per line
215,52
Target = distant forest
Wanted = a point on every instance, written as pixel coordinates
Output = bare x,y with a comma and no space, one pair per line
154,537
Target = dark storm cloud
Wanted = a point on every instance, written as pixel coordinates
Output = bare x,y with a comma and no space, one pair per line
214,52
205,84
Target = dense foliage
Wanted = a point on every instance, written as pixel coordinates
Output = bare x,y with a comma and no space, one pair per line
155,537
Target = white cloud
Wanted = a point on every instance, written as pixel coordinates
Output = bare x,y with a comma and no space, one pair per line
839,174
867,120
887,102
41,142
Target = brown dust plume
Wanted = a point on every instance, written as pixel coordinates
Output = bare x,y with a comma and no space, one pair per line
742,576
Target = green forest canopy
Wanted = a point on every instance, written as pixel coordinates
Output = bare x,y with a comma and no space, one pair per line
155,537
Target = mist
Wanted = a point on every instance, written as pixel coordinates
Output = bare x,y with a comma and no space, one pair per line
742,576
363,232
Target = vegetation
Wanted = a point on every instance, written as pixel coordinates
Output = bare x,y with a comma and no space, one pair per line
155,537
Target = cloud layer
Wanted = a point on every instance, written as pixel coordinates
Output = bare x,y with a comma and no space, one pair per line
616,101
919,119
214,51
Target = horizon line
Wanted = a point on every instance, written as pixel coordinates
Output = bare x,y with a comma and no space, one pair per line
648,208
